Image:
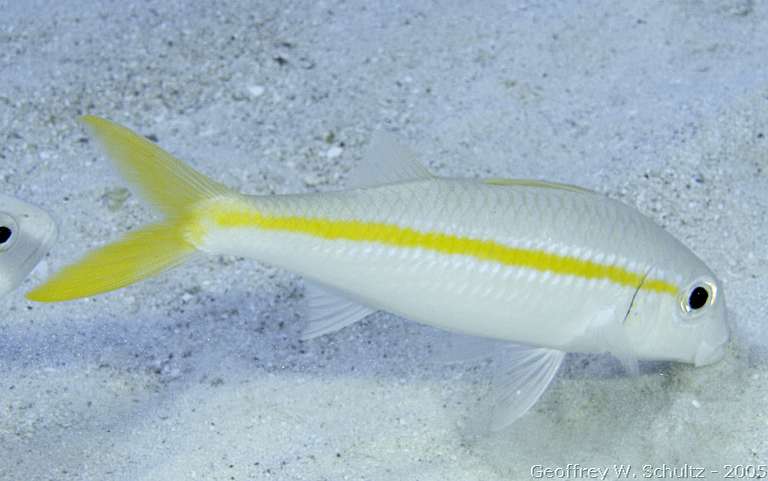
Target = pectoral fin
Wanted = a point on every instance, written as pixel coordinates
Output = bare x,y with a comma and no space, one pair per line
629,363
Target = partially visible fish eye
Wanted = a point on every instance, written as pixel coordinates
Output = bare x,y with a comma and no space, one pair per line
9,230
5,234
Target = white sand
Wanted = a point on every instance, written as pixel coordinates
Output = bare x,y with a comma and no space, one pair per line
199,374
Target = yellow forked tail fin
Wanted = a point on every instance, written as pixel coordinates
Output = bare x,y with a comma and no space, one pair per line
172,187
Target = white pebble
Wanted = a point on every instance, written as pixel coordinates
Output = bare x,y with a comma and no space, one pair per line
696,404
256,91
334,152
312,179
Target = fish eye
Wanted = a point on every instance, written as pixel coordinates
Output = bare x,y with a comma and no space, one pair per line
5,234
8,231
699,295
698,298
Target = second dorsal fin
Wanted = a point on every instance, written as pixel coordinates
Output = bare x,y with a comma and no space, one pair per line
541,184
386,162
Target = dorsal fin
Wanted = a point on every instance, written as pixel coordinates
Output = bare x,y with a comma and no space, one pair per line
386,162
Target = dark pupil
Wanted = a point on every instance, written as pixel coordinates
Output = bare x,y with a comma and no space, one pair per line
698,298
5,234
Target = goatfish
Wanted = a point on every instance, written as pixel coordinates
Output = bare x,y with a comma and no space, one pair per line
547,268
26,234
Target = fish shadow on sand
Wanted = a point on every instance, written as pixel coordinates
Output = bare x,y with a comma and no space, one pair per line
146,364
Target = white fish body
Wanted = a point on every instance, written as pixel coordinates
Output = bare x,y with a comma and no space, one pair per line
549,267
26,234
480,294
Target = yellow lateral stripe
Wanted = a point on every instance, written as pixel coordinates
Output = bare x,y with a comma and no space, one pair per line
407,237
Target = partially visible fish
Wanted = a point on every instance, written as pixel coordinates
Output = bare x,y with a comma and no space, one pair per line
547,268
26,234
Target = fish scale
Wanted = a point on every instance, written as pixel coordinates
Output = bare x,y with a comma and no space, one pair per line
527,213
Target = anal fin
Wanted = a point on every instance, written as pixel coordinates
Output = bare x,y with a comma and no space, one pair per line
329,310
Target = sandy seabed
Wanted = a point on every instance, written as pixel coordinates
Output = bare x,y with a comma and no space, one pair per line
199,373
